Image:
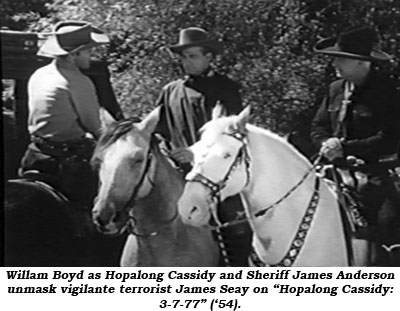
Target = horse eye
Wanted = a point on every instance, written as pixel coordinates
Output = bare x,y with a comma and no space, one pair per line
136,161
227,155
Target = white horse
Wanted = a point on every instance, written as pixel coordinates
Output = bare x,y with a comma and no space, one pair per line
294,215
139,190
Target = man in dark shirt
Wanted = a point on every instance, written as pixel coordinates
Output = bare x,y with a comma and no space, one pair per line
186,105
360,113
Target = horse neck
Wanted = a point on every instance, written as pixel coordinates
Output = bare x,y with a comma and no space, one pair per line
161,202
176,243
276,168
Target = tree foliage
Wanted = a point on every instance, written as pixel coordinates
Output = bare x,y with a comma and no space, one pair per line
268,46
17,15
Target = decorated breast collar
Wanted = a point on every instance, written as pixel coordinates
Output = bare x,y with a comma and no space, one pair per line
298,241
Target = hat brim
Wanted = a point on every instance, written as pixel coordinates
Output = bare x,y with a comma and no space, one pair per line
215,46
329,47
51,47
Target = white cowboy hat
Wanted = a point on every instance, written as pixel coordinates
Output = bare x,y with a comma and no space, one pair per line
72,36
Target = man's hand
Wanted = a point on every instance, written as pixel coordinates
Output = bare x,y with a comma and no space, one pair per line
332,148
182,155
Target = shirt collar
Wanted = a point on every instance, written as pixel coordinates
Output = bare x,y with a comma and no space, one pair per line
65,64
207,74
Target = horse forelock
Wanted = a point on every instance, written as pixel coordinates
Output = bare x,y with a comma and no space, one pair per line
214,128
110,136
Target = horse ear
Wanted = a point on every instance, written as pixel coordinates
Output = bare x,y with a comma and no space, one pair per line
106,119
218,111
243,118
149,123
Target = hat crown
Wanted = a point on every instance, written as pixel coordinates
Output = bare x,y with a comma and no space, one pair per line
71,35
358,40
192,35
195,36
361,43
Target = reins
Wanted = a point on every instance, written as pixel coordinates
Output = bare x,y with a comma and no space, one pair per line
271,206
136,189
216,187
132,221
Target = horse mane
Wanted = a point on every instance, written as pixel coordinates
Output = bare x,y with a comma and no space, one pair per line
281,140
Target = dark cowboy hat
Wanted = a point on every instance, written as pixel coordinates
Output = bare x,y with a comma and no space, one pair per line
356,43
194,36
72,36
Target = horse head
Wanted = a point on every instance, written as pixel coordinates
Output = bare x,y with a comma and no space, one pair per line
122,158
220,170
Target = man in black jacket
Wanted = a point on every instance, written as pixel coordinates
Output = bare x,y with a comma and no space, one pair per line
360,113
186,105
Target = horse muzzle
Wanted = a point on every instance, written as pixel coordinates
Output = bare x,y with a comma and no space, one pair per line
109,221
193,206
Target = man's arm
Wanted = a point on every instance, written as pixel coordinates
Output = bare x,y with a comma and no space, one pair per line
320,126
87,106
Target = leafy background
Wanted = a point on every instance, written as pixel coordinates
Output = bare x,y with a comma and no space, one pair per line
268,46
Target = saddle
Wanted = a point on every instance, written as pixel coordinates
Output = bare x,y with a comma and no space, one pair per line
79,214
343,184
35,175
71,175
346,179
43,182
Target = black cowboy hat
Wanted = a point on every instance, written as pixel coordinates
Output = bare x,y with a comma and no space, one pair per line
356,43
194,36
72,36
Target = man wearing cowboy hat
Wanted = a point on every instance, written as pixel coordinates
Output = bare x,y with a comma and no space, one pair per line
187,103
63,105
360,113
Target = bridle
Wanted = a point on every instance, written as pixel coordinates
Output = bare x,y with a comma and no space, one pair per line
133,197
215,188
